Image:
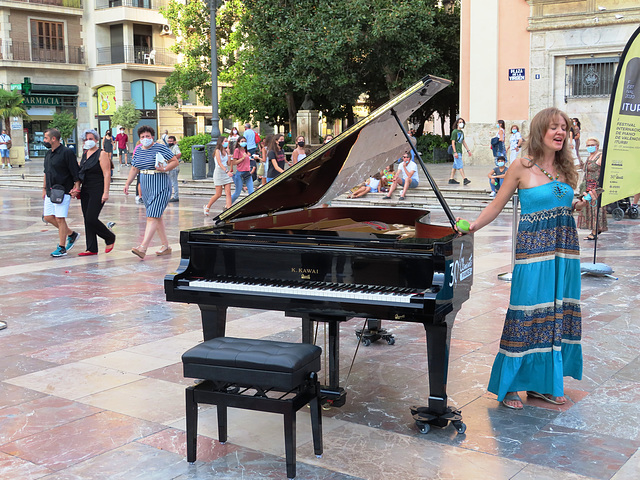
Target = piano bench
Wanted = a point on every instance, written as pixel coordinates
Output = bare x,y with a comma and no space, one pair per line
262,375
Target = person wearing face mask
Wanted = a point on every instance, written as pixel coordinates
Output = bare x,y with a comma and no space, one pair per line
406,177
95,174
242,177
300,151
222,175
457,142
275,157
60,170
173,174
574,135
592,167
496,175
515,143
153,161
233,139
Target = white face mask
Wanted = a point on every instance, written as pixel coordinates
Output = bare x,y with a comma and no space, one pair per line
461,125
89,144
146,142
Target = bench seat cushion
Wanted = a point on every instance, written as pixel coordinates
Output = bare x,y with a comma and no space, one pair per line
249,362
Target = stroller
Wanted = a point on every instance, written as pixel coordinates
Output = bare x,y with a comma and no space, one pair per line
621,207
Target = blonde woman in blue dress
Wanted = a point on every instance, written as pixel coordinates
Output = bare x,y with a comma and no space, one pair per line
155,186
541,339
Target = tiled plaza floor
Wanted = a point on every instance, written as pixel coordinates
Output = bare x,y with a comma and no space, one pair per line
91,384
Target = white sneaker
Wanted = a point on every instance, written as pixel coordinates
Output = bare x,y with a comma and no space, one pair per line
3,166
9,166
492,194
137,199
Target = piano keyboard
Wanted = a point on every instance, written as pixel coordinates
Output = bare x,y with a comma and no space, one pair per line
375,294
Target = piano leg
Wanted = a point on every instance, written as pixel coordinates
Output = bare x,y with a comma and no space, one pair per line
332,393
438,414
214,320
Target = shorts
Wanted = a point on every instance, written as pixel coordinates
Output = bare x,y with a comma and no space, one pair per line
58,210
413,184
122,151
457,162
4,153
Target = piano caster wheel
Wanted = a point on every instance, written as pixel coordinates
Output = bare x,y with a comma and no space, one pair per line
423,427
318,456
366,342
459,426
391,340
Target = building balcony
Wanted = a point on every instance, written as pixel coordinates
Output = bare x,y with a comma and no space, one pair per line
149,4
130,54
32,52
56,3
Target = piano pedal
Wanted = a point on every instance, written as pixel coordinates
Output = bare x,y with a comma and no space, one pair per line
332,397
425,419
369,336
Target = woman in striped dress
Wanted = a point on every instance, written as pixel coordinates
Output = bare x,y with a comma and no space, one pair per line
541,339
152,161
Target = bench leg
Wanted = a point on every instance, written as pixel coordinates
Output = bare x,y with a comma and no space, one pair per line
316,422
222,423
192,424
290,441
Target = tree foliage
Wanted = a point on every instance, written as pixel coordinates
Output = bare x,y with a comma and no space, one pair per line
126,115
64,122
274,52
11,105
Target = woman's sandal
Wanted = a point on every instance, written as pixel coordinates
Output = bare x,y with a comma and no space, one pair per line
164,250
140,251
591,236
512,397
547,397
205,210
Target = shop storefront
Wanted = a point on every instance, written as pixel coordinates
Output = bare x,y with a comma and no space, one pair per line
41,104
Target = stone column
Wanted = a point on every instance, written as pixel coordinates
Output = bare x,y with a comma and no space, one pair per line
308,126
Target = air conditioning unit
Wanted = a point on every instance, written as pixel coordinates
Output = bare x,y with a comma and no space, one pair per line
166,30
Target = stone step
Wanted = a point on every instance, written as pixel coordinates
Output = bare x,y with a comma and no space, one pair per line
457,197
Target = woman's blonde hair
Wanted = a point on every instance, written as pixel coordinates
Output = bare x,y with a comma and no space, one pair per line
593,139
535,144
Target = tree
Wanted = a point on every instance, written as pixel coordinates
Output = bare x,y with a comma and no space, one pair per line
11,105
126,115
273,52
65,123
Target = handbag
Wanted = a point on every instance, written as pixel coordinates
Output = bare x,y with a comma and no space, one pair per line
245,175
260,170
56,195
450,150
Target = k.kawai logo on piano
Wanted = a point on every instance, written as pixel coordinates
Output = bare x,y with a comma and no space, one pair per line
461,267
305,273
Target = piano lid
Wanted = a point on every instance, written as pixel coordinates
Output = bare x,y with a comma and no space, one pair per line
349,159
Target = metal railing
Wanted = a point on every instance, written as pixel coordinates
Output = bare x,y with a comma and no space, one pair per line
133,54
31,52
57,3
150,4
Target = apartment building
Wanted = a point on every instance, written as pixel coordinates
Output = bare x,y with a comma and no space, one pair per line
86,57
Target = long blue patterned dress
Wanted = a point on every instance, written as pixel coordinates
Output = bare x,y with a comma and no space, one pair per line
540,342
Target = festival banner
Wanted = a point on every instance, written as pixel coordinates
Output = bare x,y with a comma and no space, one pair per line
620,177
107,100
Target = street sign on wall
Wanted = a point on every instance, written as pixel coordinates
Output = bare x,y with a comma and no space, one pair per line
516,74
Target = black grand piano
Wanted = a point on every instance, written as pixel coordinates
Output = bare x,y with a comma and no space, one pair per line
285,248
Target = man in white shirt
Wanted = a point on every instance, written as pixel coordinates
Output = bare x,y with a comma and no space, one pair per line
406,176
5,151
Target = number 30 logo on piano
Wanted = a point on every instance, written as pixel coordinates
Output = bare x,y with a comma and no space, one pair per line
460,268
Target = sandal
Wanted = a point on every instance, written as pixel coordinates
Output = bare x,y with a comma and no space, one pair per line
547,397
140,251
512,397
205,210
164,250
590,237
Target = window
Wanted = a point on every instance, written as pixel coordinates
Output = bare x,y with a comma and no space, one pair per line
47,41
590,77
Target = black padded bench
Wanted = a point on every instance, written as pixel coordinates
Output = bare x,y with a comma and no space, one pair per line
262,375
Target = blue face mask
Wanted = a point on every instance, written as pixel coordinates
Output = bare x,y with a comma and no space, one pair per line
243,144
591,148
513,130
225,144
501,164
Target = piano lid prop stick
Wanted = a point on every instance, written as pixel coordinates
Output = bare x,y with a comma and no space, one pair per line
436,190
